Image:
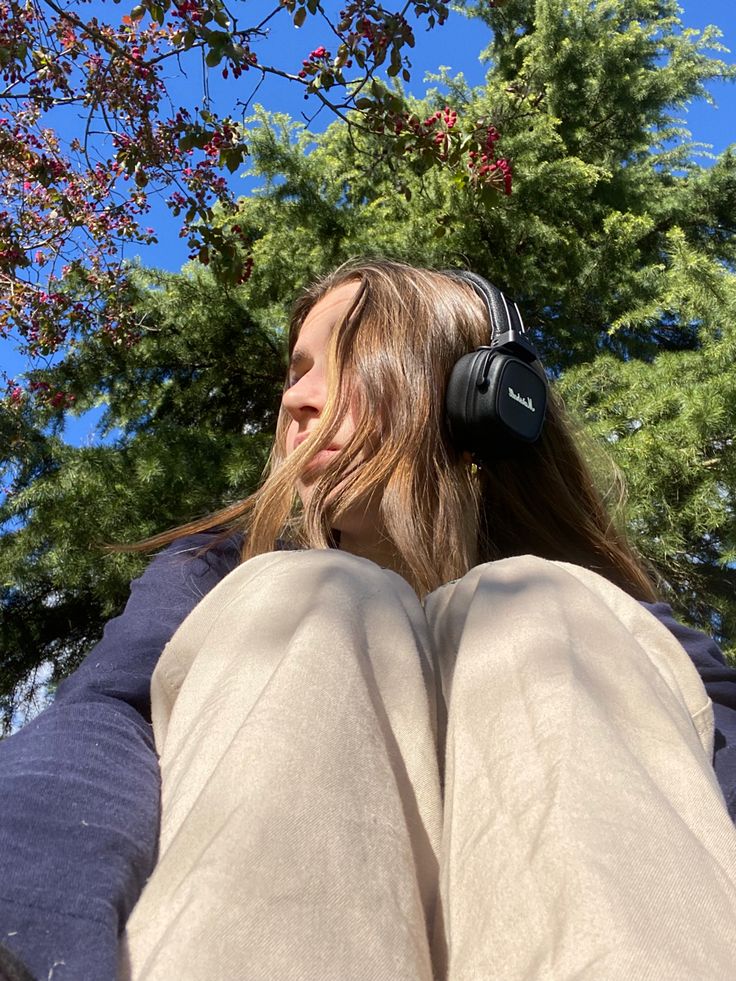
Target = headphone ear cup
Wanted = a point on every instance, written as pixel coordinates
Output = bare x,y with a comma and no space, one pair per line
466,375
496,396
495,403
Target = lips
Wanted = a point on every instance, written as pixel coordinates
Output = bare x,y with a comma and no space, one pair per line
302,436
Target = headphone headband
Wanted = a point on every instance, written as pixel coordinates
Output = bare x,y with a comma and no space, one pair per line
502,315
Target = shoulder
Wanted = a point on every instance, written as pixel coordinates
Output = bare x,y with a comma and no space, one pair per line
200,559
703,650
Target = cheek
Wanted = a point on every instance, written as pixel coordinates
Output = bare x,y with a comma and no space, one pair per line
351,418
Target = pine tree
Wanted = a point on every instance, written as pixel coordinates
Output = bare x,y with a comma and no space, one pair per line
190,410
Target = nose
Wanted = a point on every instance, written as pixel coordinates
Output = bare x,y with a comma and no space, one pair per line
306,397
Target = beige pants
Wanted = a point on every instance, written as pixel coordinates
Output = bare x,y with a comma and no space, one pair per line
306,833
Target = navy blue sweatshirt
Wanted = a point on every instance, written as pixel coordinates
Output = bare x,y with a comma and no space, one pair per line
80,788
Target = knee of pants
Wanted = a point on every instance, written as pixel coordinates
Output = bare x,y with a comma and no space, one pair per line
545,612
337,567
488,588
492,613
249,622
289,582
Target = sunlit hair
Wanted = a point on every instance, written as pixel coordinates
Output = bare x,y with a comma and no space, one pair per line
389,360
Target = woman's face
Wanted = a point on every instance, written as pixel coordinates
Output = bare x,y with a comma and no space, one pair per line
306,395
304,400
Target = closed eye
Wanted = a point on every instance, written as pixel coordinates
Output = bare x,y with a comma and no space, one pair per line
298,359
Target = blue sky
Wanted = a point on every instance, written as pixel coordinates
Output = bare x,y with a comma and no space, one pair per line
456,46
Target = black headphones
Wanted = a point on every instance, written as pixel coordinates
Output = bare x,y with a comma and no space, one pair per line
496,397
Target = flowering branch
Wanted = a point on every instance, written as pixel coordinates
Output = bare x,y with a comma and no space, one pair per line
70,211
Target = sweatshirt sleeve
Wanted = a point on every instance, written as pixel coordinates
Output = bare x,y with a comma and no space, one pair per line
79,784
719,679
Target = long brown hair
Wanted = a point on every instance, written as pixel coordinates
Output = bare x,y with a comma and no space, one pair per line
390,357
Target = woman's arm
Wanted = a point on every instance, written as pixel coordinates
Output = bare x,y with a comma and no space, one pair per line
720,683
79,785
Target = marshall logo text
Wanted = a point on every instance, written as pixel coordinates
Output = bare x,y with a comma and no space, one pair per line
526,402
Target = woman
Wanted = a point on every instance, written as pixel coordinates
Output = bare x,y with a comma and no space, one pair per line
441,728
